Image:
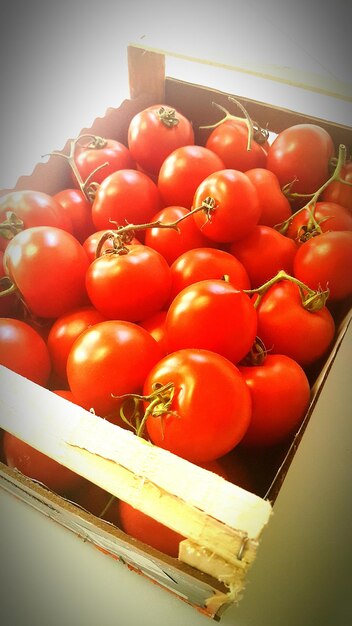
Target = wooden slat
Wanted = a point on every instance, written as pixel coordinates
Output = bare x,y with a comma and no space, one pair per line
146,72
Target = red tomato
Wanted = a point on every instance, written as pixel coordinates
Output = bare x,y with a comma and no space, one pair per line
97,501
208,409
155,132
170,242
111,357
141,278
338,191
204,263
328,215
24,351
236,210
280,397
155,325
90,244
108,155
48,267
263,253
183,171
325,261
125,197
212,315
78,210
38,466
7,303
301,155
229,141
286,327
275,207
65,331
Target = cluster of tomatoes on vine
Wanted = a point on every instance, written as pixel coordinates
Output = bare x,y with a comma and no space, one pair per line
178,289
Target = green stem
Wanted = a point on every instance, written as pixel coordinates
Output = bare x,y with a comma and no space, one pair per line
159,403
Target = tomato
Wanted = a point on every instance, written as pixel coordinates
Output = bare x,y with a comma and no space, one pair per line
48,267
79,211
171,243
155,325
183,171
275,207
24,351
90,244
129,286
155,132
125,197
39,466
204,263
301,155
280,397
207,410
325,261
97,501
329,216
263,253
229,141
236,210
7,303
339,192
64,331
213,315
287,327
103,155
148,530
111,357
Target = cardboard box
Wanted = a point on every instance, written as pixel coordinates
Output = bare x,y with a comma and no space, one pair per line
224,523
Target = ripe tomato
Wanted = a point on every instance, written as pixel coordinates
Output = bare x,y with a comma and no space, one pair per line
172,243
212,315
203,263
286,327
325,261
183,171
108,155
125,197
48,267
154,133
208,409
129,286
301,155
275,207
263,253
78,210
64,331
236,210
24,351
229,141
280,397
329,216
338,191
111,357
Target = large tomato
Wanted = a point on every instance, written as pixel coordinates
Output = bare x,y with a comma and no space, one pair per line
280,396
229,141
213,315
207,409
338,191
99,157
328,216
275,207
47,265
236,206
24,351
154,133
301,155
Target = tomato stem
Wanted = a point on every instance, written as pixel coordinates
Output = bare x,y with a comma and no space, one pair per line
159,403
11,225
9,289
168,117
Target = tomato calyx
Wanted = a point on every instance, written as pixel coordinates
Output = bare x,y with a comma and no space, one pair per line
11,225
257,353
255,132
168,117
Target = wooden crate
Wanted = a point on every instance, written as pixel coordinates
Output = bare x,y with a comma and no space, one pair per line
222,522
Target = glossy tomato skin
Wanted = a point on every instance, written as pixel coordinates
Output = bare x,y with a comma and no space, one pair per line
280,397
325,261
150,140
237,209
329,216
286,327
48,266
111,357
125,197
275,206
339,192
129,286
263,253
109,156
301,155
183,171
78,210
210,409
229,141
171,243
213,315
24,351
205,263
